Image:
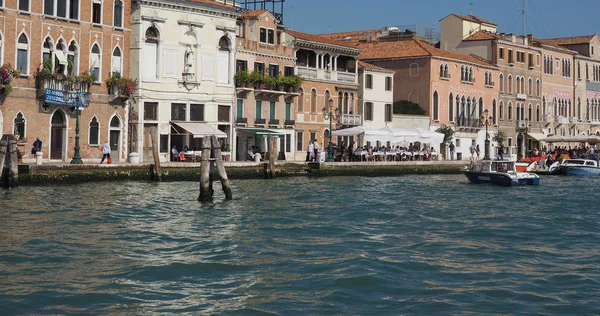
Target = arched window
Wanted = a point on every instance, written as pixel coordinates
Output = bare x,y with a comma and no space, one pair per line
96,62
510,84
457,109
150,54
446,73
471,76
537,113
501,78
19,126
579,109
94,133
530,87
450,108
60,57
223,60
47,52
556,107
538,87
115,122
544,108
118,13
501,110
529,112
509,110
301,100
414,70
436,106
313,101
23,54
117,63
462,73
72,59
481,106
442,71
327,97
494,112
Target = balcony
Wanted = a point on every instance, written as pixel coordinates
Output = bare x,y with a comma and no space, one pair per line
561,119
325,74
260,122
351,119
289,123
467,123
242,121
521,96
274,122
63,84
573,120
308,73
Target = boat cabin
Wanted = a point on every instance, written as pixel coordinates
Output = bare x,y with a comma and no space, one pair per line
580,162
493,166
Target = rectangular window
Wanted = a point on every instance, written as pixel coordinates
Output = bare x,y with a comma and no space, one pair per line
164,143
288,71
118,14
223,113
271,36
288,143
530,60
369,81
288,111
61,8
273,70
240,109
178,111
313,136
501,53
241,65
388,112
510,56
272,111
150,111
49,7
368,111
263,35
259,68
258,110
97,13
388,83
299,145
24,5
74,10
197,112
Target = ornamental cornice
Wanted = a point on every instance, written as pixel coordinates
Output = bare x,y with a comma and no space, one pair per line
327,47
259,54
189,7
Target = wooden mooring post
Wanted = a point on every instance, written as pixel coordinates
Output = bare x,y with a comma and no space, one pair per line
8,161
211,145
270,166
155,153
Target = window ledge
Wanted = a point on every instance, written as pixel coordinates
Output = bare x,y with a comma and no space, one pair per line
445,78
24,76
96,25
118,28
58,18
23,12
74,21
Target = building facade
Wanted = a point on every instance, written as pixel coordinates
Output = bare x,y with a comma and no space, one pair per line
330,72
183,57
68,48
376,96
265,63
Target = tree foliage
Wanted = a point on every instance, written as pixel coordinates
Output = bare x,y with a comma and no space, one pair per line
448,133
407,107
500,137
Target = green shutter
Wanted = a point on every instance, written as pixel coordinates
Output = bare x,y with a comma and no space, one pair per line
258,110
240,108
272,112
288,111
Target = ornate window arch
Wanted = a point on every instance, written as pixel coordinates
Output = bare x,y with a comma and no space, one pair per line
117,62
150,53
450,108
313,100
301,100
23,52
96,62
20,126
118,13
94,132
436,106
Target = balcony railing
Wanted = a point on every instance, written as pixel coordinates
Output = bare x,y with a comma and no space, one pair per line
289,123
561,119
573,120
241,120
63,84
467,122
351,119
346,77
274,122
260,121
305,72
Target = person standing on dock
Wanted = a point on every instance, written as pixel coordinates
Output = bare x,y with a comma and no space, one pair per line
451,150
309,151
105,152
316,148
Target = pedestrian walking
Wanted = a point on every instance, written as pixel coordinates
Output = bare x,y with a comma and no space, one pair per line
106,153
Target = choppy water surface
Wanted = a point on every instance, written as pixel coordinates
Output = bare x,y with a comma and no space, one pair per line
349,245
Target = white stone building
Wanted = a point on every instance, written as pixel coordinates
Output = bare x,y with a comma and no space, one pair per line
183,56
376,95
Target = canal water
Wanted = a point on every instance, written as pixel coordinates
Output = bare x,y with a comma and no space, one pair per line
420,245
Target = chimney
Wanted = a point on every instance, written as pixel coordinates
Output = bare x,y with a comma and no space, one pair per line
530,38
513,38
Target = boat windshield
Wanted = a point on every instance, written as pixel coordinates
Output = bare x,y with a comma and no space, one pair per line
574,162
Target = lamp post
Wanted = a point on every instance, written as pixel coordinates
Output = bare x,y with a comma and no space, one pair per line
486,118
329,114
525,137
78,104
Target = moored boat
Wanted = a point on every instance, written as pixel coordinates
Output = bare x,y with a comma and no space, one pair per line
501,172
579,167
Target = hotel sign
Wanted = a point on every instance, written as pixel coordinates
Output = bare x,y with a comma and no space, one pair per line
62,97
592,86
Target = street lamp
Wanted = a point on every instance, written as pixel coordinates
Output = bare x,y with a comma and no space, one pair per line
486,119
525,137
330,115
80,101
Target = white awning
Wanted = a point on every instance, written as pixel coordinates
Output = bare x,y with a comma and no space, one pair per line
60,55
537,136
197,129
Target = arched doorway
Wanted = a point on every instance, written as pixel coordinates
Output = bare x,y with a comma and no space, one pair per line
57,135
115,138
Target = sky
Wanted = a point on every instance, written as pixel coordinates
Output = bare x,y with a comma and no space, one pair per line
544,18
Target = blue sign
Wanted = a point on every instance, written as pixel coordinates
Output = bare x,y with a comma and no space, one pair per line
592,86
62,97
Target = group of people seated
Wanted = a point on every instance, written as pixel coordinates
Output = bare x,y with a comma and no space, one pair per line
177,155
253,153
383,153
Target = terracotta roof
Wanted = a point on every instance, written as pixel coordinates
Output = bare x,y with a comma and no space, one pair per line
252,14
213,3
319,39
411,48
352,36
482,36
364,65
473,18
570,40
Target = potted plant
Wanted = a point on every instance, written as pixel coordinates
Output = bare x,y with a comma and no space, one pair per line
271,83
7,73
258,80
242,78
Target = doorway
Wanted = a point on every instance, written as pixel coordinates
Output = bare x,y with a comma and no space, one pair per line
115,138
57,135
